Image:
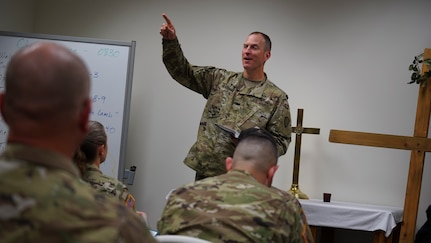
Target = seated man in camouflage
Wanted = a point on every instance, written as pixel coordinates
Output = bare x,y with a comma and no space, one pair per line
241,205
46,105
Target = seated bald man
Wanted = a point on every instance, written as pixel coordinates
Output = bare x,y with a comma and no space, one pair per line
241,205
46,105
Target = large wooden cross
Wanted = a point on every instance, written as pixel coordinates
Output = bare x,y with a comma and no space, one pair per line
299,130
419,144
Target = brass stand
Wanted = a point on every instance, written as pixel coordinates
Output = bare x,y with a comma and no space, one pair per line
299,130
297,192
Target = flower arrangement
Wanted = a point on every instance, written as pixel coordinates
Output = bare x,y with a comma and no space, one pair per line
415,68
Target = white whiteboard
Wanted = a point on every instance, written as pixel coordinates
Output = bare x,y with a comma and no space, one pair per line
111,71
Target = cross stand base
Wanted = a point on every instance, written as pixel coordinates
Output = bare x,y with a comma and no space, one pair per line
294,190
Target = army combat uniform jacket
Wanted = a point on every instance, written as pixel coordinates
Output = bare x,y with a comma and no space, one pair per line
234,207
43,199
229,103
106,184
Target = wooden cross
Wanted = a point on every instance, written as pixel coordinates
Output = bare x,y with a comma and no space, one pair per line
299,130
419,144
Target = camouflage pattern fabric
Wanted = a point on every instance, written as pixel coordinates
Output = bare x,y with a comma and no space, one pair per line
234,207
229,103
104,183
43,199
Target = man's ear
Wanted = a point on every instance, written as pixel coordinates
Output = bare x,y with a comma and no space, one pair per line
270,174
229,163
267,55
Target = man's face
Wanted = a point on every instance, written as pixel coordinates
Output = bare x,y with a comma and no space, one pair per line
254,55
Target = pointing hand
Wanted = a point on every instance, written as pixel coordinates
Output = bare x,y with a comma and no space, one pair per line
167,30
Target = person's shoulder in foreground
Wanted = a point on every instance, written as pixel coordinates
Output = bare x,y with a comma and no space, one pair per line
51,204
241,205
423,235
46,106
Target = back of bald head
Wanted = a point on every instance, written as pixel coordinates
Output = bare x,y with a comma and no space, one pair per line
44,81
256,149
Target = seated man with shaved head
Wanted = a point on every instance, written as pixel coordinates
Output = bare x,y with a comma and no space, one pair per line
241,205
46,105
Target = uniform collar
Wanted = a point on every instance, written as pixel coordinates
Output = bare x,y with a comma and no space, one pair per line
92,167
243,172
256,91
41,157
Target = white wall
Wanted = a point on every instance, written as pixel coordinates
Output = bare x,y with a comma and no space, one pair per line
344,62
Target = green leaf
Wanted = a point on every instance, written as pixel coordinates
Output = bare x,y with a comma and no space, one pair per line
415,68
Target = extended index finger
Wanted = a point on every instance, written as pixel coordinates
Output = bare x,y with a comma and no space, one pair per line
168,21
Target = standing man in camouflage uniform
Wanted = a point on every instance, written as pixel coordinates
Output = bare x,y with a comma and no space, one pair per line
46,104
241,205
237,100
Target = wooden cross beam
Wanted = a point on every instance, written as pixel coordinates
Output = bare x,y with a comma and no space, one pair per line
419,144
299,130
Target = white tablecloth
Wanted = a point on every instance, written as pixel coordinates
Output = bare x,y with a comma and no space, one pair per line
351,215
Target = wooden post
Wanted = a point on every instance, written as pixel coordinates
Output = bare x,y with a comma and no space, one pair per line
417,158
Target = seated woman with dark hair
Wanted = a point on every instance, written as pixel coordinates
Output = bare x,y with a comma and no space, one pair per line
90,155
